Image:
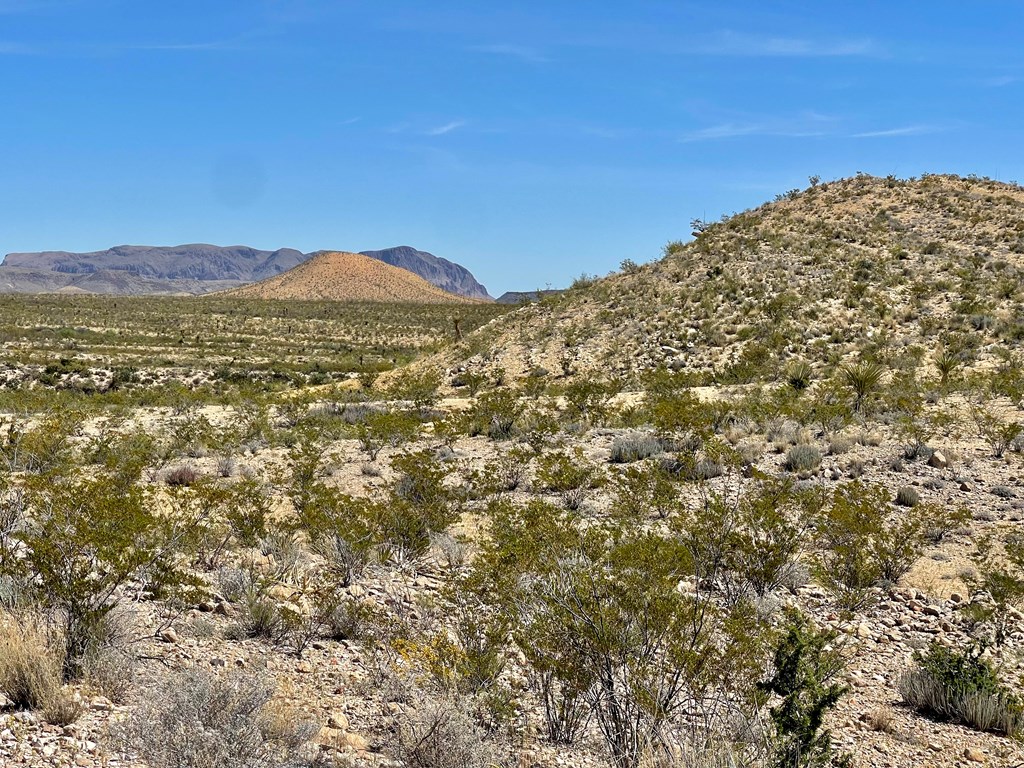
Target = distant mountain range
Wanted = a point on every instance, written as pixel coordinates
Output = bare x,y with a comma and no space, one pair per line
196,268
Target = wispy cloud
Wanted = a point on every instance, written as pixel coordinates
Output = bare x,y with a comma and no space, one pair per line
808,124
441,130
523,53
1000,82
737,44
905,130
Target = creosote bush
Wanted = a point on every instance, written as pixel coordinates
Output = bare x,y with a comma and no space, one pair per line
84,542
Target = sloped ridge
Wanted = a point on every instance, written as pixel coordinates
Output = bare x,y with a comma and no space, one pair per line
341,276
446,275
860,267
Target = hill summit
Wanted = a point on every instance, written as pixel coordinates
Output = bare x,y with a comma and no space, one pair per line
864,267
340,276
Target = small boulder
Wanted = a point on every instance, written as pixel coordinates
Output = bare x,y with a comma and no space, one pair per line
938,460
338,720
169,635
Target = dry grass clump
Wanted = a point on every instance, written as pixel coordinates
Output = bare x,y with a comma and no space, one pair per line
30,670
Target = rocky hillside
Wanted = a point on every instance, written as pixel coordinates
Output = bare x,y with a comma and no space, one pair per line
865,267
445,274
338,276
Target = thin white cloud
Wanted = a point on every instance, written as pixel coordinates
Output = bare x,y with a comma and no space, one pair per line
805,125
906,130
523,53
1000,82
441,130
723,131
736,44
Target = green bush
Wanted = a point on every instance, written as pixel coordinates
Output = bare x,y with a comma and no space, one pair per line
804,675
959,685
563,472
496,414
861,544
386,429
86,540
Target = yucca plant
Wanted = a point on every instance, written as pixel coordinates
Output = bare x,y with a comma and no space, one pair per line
863,379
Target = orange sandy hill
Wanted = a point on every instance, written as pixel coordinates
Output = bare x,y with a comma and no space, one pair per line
338,276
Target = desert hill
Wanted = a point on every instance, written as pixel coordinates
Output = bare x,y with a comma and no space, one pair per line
339,276
876,268
446,275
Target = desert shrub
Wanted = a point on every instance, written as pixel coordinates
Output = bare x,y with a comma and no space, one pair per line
589,400
420,504
419,387
563,472
504,473
765,530
957,684
859,546
598,613
635,447
804,676
640,491
997,433
182,476
195,719
803,458
348,620
109,671
41,448
997,586
496,414
386,429
438,733
908,496
86,540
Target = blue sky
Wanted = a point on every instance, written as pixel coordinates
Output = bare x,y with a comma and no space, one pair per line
531,141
